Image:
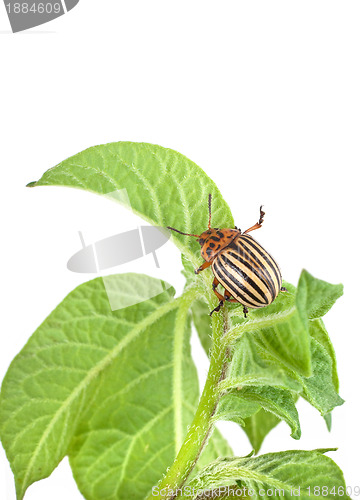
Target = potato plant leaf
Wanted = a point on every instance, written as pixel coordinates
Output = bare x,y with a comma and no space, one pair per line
281,329
202,321
285,474
200,309
163,187
319,389
318,331
235,408
253,365
245,402
257,426
114,390
319,296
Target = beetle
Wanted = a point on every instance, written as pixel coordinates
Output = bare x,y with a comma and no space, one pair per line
248,273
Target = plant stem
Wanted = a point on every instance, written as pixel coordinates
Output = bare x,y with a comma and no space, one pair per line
202,426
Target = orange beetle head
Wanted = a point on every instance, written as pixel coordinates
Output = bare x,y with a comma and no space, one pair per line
214,239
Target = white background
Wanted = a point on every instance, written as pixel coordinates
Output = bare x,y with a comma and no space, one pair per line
264,96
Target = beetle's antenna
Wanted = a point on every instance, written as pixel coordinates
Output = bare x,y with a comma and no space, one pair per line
185,234
209,225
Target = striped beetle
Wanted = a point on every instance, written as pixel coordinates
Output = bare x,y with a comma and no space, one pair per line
248,273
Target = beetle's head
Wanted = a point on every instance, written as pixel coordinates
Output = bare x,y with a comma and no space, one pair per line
209,236
213,239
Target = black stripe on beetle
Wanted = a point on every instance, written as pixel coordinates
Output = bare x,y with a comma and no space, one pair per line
239,288
267,257
240,251
262,274
252,283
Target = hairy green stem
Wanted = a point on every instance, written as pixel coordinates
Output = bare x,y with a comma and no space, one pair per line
202,425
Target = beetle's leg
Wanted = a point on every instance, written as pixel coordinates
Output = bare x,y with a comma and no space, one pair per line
202,267
245,311
258,224
283,289
218,295
222,299
230,298
221,303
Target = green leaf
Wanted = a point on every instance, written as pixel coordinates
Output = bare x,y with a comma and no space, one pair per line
235,408
188,271
281,330
163,186
281,473
200,309
279,402
253,365
328,420
202,321
258,426
319,333
114,390
317,296
276,401
319,390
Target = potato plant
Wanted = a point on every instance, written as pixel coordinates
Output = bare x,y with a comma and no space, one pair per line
117,390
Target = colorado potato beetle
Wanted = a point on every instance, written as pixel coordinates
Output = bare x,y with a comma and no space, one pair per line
248,273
